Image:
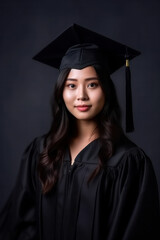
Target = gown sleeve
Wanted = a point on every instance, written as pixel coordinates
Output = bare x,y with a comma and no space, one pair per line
137,212
18,216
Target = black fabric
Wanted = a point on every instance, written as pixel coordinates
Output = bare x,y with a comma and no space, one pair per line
83,55
120,203
129,110
18,218
115,52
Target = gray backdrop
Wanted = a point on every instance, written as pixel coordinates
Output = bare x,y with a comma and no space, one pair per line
26,86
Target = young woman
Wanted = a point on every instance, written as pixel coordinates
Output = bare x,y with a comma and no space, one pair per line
84,179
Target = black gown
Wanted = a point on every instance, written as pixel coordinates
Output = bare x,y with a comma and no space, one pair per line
120,203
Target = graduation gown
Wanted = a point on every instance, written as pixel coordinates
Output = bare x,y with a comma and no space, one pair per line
120,203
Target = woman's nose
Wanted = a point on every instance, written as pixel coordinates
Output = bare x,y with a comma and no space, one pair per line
82,94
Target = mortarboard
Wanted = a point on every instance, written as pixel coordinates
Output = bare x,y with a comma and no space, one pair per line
78,47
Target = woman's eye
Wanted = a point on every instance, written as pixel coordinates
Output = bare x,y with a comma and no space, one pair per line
92,85
72,86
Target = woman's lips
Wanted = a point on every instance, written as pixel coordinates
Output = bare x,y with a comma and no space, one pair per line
83,108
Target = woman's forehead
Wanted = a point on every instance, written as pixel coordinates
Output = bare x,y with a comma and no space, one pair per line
87,72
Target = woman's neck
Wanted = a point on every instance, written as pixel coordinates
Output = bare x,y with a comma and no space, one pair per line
86,130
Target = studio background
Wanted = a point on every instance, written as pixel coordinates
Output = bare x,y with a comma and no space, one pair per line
26,86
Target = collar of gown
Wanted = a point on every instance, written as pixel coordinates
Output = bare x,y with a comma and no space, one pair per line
87,155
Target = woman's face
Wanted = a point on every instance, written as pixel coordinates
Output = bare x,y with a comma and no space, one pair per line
82,93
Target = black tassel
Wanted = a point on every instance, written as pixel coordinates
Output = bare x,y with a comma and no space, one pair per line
129,111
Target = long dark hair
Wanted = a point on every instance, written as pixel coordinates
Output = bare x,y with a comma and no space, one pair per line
109,124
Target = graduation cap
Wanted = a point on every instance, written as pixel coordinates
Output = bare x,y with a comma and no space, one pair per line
79,47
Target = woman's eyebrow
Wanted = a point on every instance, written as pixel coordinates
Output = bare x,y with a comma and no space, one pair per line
92,78
71,79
